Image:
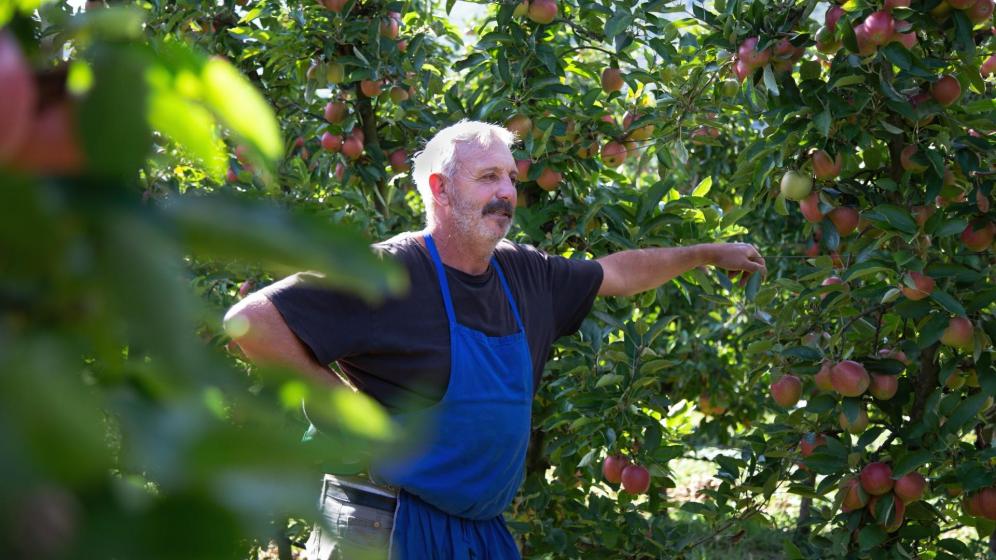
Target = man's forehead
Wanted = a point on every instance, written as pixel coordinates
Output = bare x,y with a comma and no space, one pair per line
473,157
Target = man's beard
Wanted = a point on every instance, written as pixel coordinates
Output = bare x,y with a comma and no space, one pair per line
472,224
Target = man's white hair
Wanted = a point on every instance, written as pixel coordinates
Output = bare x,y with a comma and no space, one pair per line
439,155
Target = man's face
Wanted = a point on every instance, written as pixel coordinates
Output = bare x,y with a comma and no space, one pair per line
482,193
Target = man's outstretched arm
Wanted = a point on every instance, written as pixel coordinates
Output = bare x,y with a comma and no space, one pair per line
264,337
628,273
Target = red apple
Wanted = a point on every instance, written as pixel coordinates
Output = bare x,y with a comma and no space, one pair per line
890,4
51,145
922,213
19,94
832,16
231,176
612,80
855,496
706,406
960,333
907,161
542,11
786,390
613,154
907,40
549,179
748,53
522,167
824,168
809,443
910,487
987,502
335,111
946,90
889,353
865,45
858,425
389,28
849,378
635,479
845,219
352,147
978,236
612,468
980,12
879,27
883,387
399,160
822,377
917,286
876,478
895,515
520,124
331,142
961,4
399,94
810,208
741,69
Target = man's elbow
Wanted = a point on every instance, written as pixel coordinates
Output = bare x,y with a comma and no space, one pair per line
245,319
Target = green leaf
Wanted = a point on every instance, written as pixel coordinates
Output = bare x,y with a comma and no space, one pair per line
965,412
223,227
230,95
947,302
910,462
821,404
822,122
608,379
618,23
964,41
703,187
871,536
769,80
931,330
897,217
898,55
113,116
190,126
848,80
361,414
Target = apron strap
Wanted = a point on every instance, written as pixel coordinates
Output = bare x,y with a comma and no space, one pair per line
443,285
508,294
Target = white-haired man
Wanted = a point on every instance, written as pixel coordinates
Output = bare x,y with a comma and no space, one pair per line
462,352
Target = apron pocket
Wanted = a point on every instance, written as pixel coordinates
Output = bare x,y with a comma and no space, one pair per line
360,529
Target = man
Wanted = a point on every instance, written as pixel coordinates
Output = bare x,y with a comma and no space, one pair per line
462,353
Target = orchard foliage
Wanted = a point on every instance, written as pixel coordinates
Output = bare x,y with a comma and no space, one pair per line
203,149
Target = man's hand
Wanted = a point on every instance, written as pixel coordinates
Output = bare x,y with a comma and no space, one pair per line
737,256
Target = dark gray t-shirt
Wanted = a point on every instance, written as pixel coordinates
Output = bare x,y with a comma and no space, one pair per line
398,352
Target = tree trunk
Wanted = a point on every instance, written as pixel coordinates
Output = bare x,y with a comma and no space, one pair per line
926,381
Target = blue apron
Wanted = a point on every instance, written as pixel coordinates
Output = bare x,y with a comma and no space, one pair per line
471,463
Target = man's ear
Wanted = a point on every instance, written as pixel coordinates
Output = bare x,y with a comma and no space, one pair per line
439,188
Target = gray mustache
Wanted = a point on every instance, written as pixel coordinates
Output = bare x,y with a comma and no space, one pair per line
499,207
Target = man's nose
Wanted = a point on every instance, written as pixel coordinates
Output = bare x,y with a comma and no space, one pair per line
507,188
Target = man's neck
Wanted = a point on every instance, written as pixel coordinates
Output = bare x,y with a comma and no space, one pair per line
459,254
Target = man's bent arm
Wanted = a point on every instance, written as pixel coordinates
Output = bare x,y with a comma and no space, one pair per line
264,337
630,272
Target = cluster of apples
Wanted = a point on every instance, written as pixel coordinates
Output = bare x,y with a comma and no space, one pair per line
618,469
798,187
36,135
875,483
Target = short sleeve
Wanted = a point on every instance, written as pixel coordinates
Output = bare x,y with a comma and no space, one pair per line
575,284
330,323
